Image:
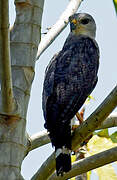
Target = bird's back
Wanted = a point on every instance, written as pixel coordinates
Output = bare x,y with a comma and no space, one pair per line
70,77
72,70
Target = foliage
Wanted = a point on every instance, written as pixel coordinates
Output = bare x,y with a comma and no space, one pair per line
101,141
114,137
89,99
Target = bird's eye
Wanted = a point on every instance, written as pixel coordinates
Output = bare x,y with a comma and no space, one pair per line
85,21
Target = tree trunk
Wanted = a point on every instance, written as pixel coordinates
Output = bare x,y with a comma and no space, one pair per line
25,37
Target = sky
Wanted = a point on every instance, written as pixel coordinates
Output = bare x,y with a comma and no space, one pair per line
106,20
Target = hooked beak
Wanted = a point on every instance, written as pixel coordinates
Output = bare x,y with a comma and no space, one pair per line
72,26
73,23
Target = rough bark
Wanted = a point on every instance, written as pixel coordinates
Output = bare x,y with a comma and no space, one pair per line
25,37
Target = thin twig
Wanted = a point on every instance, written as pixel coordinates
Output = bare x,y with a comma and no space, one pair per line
79,117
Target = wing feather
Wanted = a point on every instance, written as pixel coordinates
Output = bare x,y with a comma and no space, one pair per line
70,78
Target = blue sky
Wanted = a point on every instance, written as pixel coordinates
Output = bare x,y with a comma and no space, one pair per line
106,20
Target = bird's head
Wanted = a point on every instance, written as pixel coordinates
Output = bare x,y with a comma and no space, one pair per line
82,24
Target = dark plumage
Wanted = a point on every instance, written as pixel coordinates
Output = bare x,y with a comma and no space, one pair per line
69,79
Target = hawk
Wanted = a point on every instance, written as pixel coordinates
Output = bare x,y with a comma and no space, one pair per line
70,77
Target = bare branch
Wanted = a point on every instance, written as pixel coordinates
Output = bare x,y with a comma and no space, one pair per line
39,139
95,119
58,27
109,122
89,163
47,168
82,132
5,63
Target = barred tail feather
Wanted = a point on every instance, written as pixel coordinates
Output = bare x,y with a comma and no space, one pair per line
63,161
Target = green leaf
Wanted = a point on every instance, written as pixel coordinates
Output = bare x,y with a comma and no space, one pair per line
89,99
98,143
73,158
103,133
72,178
106,173
114,137
115,5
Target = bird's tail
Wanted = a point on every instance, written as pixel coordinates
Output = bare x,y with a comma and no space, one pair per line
63,160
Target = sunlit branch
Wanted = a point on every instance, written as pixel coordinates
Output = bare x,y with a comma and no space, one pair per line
109,122
42,138
95,119
58,27
38,139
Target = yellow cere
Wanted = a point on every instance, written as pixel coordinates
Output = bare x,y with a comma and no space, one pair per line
74,21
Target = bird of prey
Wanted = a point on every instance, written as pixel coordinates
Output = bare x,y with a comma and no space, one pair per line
70,77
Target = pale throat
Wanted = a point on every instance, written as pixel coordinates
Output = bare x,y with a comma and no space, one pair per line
89,33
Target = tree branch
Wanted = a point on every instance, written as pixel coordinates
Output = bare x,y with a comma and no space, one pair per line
58,27
89,163
5,63
39,139
82,132
109,122
95,119
47,168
